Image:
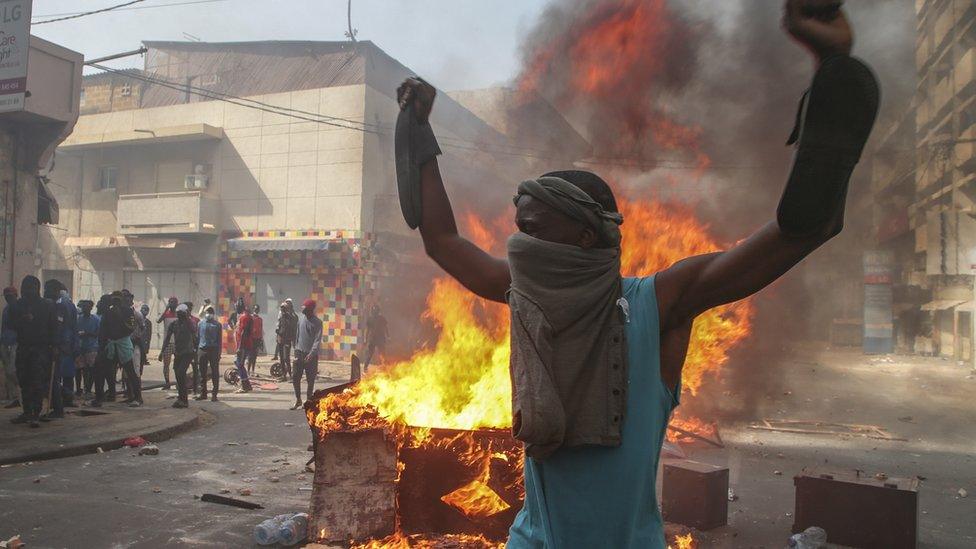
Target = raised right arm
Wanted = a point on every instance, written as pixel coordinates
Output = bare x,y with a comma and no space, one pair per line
474,268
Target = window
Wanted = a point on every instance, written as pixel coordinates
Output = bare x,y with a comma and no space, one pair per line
108,177
126,90
82,100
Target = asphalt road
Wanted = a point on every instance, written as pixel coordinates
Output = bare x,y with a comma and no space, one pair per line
119,499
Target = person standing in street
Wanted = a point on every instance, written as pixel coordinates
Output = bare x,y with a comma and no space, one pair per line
36,323
257,329
87,327
211,337
185,345
167,318
8,351
138,332
195,362
67,348
245,344
286,330
147,330
118,324
376,335
306,352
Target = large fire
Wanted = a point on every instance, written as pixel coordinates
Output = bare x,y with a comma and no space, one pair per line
615,63
462,382
611,64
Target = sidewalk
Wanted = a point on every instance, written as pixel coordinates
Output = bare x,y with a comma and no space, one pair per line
83,430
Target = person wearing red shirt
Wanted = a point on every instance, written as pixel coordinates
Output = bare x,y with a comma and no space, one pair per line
245,345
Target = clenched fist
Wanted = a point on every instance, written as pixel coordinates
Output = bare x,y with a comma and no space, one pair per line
819,25
420,94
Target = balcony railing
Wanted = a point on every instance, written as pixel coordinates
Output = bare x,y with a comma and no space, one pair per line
187,212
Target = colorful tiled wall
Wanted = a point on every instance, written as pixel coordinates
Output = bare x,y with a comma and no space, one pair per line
341,281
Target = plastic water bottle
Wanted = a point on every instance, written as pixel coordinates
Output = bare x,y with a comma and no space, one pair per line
293,530
812,538
267,532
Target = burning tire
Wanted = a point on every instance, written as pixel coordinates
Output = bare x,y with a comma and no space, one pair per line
277,370
231,376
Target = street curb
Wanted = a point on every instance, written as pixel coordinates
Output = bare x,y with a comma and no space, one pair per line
157,435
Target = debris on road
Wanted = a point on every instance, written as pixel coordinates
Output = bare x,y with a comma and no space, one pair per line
963,493
274,479
134,442
814,427
778,473
224,490
13,543
157,489
214,498
732,495
244,491
149,450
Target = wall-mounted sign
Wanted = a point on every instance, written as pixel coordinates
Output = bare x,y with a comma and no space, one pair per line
15,16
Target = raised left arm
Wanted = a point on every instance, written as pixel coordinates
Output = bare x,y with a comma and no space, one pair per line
694,285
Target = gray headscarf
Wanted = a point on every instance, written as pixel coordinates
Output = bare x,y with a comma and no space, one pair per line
569,199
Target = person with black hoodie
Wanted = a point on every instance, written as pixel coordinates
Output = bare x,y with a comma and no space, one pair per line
36,324
184,337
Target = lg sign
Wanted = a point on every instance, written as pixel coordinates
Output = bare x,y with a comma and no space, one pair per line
10,14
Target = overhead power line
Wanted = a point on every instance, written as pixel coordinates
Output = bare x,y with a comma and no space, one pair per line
86,13
495,149
74,14
216,96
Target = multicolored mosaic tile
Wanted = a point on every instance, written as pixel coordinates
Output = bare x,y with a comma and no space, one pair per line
341,279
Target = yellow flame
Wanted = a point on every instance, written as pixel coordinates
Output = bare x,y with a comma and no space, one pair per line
476,499
683,542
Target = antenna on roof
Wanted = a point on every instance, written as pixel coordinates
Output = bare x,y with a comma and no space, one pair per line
189,36
351,33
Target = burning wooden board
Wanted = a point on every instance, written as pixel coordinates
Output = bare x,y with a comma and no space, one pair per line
433,482
354,489
460,482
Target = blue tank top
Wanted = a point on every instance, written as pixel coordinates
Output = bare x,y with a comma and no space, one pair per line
596,496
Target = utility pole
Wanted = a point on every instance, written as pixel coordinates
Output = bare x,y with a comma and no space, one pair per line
351,33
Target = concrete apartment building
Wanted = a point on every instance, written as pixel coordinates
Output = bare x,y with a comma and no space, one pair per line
260,170
36,113
924,181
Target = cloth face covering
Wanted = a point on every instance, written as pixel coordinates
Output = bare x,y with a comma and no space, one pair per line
569,354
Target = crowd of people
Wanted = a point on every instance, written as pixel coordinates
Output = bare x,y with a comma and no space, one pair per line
57,355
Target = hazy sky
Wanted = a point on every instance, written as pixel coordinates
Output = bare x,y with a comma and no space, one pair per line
454,43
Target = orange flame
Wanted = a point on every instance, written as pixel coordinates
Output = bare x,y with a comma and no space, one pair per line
683,542
619,58
463,381
400,541
476,499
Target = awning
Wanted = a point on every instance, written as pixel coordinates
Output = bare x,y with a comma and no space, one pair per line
259,244
137,136
47,207
965,306
941,304
115,242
